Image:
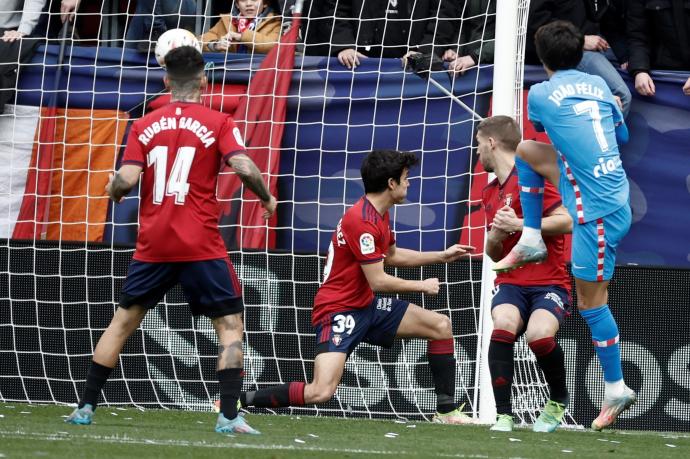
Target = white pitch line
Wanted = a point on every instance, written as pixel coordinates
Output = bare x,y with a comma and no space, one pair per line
18,434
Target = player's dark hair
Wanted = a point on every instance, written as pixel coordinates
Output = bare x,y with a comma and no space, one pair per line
503,129
381,165
559,45
184,67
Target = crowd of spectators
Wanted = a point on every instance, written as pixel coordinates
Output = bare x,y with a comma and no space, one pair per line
629,35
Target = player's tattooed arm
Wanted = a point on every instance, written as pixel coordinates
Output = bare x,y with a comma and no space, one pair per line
250,175
121,182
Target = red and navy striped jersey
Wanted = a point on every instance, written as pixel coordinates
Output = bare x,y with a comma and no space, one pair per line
181,148
362,236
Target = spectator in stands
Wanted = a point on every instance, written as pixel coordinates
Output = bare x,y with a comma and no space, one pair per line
377,29
68,9
153,17
585,14
19,17
251,26
464,36
611,17
658,38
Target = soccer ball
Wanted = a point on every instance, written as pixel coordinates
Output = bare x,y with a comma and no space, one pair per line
174,38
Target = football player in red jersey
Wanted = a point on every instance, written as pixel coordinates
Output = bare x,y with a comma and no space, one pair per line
180,149
346,311
533,299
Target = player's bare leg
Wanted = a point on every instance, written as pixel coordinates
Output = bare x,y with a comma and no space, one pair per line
535,161
420,323
328,370
507,322
540,335
592,303
122,325
229,370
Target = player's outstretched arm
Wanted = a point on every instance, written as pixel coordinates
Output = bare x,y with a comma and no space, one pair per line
380,281
122,181
406,258
250,175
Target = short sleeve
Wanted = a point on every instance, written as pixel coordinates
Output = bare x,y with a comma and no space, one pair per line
364,240
392,238
552,198
533,108
231,142
134,152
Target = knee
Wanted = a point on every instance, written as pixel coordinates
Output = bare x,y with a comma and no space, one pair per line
318,393
443,328
506,323
537,333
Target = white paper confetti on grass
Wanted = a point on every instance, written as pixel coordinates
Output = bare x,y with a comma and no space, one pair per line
128,419
602,439
390,436
670,445
113,413
393,434
411,426
514,439
566,451
400,421
119,408
297,440
313,436
199,422
614,441
2,415
25,412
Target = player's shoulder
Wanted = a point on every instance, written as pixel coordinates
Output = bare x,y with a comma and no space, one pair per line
363,213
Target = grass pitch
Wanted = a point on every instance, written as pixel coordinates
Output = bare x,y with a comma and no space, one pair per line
39,431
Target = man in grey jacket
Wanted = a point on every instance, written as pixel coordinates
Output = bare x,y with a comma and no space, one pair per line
19,17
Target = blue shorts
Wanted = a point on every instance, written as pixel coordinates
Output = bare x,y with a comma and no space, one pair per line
210,286
594,245
552,298
376,324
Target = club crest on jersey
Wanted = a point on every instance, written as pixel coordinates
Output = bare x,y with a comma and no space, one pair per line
337,339
509,199
366,244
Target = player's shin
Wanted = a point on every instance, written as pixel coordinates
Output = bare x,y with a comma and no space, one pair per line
95,380
289,394
442,365
552,362
532,199
605,339
502,368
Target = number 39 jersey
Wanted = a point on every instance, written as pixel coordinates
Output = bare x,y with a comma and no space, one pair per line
181,148
579,113
362,236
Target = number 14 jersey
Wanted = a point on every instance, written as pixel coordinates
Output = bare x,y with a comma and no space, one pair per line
181,148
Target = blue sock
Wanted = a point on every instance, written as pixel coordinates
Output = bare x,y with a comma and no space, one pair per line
605,338
531,193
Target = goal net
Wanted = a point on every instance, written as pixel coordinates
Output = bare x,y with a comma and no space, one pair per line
65,248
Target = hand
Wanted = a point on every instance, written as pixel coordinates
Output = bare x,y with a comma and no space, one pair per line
506,220
68,9
686,88
234,36
430,286
405,57
497,235
595,43
460,65
109,187
350,58
624,66
619,101
12,35
270,207
644,84
449,55
456,251
221,45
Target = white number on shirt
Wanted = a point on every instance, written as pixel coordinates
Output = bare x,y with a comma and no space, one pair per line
592,107
329,263
343,323
177,182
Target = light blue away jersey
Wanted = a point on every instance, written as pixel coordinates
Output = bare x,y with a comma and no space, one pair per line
579,114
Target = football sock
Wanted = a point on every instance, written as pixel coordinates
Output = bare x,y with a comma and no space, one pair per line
501,368
442,365
552,362
605,338
614,389
289,394
531,198
230,380
95,380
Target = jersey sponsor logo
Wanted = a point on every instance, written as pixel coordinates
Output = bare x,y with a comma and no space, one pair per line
238,137
366,244
606,167
555,298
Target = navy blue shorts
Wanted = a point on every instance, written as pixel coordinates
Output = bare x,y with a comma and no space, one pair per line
552,298
376,324
210,286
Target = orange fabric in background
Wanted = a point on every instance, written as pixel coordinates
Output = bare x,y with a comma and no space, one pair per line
87,144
